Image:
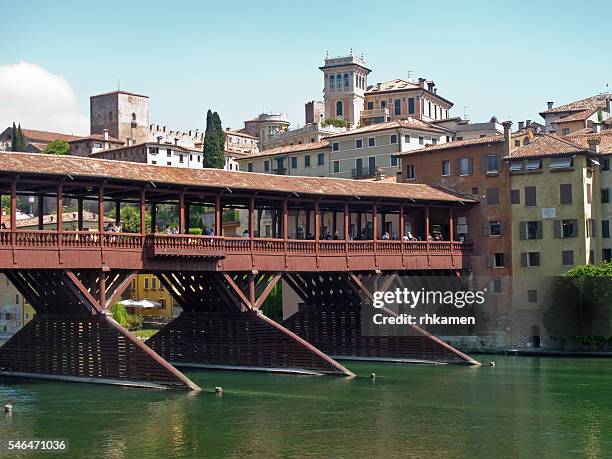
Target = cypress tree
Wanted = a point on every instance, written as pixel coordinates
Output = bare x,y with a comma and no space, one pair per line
214,142
21,140
14,139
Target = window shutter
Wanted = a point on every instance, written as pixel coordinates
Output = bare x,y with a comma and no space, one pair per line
539,230
483,163
470,166
458,166
486,229
490,261
515,197
557,228
523,259
537,259
522,231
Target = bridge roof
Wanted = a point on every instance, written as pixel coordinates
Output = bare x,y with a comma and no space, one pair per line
54,165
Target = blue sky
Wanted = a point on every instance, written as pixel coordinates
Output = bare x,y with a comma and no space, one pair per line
502,58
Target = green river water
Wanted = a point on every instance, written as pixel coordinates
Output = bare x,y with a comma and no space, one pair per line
522,407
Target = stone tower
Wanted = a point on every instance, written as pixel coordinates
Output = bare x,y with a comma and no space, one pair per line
345,81
124,114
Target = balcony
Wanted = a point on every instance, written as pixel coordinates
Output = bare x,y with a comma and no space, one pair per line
377,112
363,172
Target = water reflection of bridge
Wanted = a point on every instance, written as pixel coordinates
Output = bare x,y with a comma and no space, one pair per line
71,276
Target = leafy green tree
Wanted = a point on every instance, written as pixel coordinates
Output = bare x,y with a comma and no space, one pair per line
57,147
336,122
582,302
130,219
214,142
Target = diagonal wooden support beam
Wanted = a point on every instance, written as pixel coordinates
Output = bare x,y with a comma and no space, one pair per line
119,289
238,291
75,283
360,284
267,290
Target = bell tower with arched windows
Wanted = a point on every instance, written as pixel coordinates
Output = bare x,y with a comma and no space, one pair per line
345,80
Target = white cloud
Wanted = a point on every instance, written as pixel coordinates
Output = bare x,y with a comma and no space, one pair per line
37,99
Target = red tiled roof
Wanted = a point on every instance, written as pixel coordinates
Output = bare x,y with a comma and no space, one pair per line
392,85
590,103
37,164
583,136
97,137
455,144
291,149
239,133
411,123
578,116
47,136
547,145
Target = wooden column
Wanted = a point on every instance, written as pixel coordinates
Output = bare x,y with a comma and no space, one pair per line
102,288
80,213
427,224
181,206
358,225
285,219
13,216
117,213
187,216
401,223
143,212
252,299
346,221
41,211
101,213
307,229
317,222
297,223
60,207
218,215
334,222
451,224
383,222
251,216
153,217
374,223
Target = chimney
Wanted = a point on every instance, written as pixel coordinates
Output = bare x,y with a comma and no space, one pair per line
422,82
176,139
129,141
527,123
550,105
594,145
105,134
609,105
596,128
521,125
379,174
507,137
159,139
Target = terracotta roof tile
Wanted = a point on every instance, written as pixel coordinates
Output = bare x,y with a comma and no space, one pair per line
547,145
291,149
97,137
47,136
392,85
455,144
578,116
36,164
411,123
581,138
590,103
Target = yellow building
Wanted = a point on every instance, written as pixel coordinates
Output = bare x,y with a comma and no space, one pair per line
148,287
554,214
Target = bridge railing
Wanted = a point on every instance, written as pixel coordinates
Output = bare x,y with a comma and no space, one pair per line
229,245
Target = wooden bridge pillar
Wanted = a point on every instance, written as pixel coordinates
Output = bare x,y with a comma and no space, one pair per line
331,320
72,338
223,327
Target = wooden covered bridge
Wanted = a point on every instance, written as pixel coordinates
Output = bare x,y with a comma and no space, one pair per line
320,236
